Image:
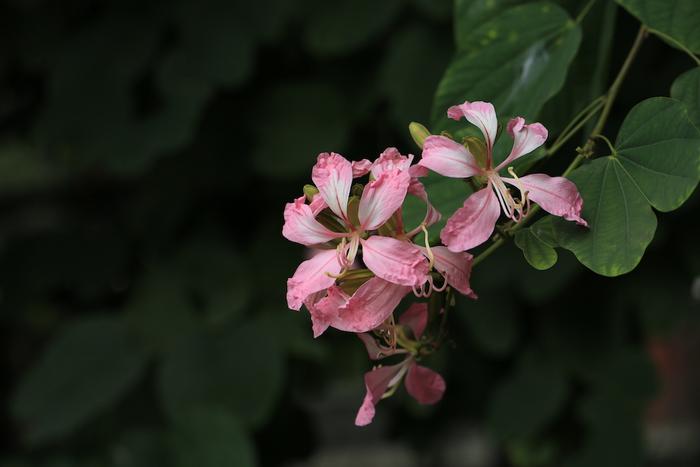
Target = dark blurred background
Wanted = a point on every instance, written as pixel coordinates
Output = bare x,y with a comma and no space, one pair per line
146,153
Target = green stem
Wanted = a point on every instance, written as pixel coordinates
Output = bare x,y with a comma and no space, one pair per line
576,124
487,252
586,9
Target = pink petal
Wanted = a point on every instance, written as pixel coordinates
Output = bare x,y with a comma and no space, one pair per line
425,385
361,168
556,195
416,318
317,204
301,226
332,175
455,267
370,305
325,312
480,114
376,382
396,261
382,197
472,224
311,277
391,159
417,171
448,158
526,138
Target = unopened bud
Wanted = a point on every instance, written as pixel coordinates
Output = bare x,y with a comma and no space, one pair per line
418,133
310,191
477,147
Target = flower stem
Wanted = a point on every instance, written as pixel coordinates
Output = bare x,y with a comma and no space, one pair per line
576,124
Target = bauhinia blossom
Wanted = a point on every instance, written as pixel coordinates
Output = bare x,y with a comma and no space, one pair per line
474,222
422,383
340,226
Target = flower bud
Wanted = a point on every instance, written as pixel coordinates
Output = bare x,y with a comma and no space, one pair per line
418,133
310,191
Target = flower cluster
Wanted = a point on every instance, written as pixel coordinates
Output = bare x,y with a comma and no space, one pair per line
364,261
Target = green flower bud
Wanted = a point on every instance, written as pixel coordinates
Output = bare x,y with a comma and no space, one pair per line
310,191
418,133
478,149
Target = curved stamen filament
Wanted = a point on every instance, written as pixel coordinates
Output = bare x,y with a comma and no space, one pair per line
513,208
428,251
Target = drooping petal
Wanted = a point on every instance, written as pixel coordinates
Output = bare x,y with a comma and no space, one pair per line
391,159
332,175
325,311
425,385
311,277
377,382
556,195
417,171
396,261
526,138
455,268
361,168
301,226
480,114
416,318
472,224
382,197
370,305
432,215
448,158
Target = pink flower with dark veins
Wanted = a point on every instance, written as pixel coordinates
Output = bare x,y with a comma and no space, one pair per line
474,222
422,383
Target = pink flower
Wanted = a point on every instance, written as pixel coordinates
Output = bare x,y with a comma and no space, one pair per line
397,264
423,384
474,222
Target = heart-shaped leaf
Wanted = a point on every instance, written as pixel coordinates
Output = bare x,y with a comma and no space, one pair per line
678,19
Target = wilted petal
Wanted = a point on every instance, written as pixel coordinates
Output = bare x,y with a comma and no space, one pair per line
448,158
361,168
377,382
425,385
556,195
311,277
396,261
301,226
480,114
526,138
332,175
472,224
325,311
416,318
382,197
456,267
391,159
370,305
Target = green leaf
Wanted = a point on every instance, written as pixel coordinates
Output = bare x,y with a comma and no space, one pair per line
517,65
339,27
87,367
657,162
621,222
686,88
140,447
240,372
527,401
678,19
298,130
537,252
209,438
660,150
